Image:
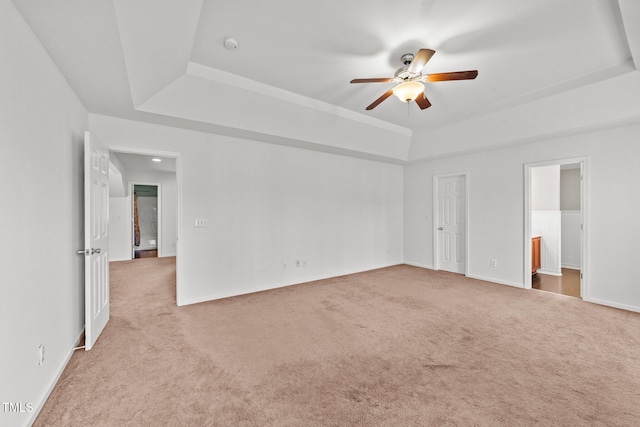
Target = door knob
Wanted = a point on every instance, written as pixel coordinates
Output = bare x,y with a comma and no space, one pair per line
440,228
89,251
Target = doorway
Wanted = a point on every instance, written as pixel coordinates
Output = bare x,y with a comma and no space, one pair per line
156,179
450,201
146,212
556,201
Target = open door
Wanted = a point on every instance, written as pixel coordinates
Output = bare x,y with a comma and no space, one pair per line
96,221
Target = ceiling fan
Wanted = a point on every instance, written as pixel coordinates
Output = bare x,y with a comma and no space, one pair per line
409,79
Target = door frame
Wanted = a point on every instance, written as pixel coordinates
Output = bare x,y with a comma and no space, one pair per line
435,204
178,157
584,208
132,184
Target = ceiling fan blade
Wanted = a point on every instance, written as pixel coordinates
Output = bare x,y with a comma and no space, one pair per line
422,101
456,75
420,60
375,80
375,103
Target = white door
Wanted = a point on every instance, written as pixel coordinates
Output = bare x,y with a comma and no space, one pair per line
96,221
451,223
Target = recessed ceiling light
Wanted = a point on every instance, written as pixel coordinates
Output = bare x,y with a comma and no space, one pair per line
155,159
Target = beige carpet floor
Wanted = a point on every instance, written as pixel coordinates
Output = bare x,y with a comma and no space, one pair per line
398,346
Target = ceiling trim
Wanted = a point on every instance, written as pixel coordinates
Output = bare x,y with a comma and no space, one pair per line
229,79
531,139
630,10
541,93
155,119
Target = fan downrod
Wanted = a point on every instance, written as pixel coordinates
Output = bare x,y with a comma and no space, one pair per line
407,58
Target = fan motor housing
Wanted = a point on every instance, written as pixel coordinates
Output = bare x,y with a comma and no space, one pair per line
407,58
403,74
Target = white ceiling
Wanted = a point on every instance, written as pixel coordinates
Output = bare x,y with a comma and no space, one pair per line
288,81
141,162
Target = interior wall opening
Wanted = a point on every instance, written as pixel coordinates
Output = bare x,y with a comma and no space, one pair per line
144,207
146,212
555,227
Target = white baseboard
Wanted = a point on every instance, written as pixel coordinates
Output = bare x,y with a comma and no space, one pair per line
33,415
498,281
549,273
214,297
471,276
571,267
417,264
614,304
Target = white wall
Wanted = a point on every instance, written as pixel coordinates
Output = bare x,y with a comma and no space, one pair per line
41,223
120,228
570,205
267,206
570,190
571,240
545,188
496,206
117,177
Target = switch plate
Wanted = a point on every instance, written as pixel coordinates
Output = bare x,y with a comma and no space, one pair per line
201,222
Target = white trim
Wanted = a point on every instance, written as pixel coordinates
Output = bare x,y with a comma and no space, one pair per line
549,273
510,143
34,414
615,304
229,79
571,267
436,178
420,265
584,209
179,181
497,281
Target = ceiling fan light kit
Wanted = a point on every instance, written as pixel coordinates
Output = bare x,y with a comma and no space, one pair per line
409,79
408,91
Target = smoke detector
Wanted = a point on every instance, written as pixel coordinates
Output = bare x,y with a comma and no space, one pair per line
230,43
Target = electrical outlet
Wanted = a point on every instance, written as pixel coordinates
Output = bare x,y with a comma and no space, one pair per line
284,266
40,354
201,222
297,263
493,263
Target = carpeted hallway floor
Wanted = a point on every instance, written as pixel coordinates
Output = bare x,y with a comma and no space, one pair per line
398,346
